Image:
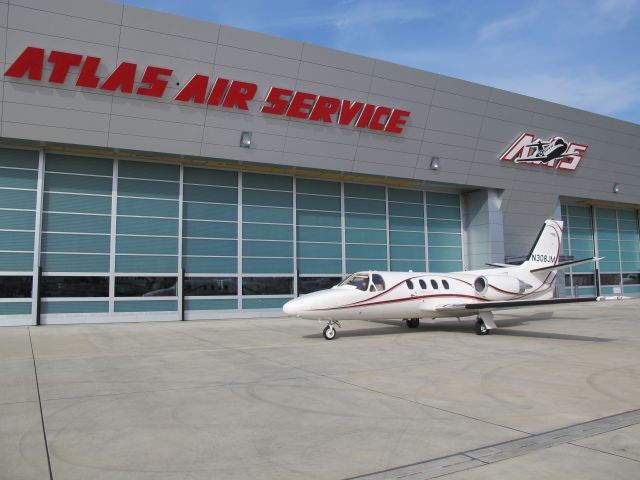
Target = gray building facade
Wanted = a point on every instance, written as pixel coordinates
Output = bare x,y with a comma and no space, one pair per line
126,192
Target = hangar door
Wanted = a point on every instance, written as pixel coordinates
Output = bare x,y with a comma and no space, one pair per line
603,232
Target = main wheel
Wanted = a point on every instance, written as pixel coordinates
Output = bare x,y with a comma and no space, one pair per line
481,328
329,332
413,322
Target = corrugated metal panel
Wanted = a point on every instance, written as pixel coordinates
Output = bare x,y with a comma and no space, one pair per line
15,308
59,202
75,307
59,242
146,306
146,207
18,158
25,199
267,265
195,264
13,178
74,164
17,219
159,245
59,262
147,263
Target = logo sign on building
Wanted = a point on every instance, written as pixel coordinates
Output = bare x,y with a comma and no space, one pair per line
202,90
555,152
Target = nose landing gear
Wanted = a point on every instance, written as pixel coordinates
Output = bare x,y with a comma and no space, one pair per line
329,332
412,322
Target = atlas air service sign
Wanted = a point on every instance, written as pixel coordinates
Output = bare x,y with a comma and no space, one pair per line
554,152
201,90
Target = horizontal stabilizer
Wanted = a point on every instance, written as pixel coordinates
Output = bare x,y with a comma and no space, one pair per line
510,304
499,265
572,263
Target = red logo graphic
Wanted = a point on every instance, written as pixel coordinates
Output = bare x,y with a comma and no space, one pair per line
552,153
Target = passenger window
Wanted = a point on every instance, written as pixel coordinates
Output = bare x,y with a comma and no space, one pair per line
372,288
410,284
378,281
434,284
445,284
422,284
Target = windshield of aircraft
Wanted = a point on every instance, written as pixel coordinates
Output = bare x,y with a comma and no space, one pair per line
358,280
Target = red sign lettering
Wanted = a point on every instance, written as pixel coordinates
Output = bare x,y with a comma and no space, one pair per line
223,93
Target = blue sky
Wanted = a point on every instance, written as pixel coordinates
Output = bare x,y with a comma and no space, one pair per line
582,53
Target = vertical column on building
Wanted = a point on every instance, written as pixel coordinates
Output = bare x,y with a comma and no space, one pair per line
483,228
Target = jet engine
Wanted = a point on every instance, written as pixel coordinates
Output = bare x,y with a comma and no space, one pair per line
499,287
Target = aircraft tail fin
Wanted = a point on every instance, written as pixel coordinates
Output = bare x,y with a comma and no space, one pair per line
547,247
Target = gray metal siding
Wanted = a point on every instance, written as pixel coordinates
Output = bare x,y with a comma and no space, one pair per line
467,125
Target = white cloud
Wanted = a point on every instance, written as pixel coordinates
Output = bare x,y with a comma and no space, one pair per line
510,24
616,5
356,14
594,93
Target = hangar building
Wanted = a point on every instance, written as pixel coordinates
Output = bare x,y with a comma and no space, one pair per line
155,167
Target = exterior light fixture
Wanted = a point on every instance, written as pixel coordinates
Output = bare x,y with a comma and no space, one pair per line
435,163
245,139
616,187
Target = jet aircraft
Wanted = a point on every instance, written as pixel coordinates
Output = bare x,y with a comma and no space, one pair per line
410,296
546,152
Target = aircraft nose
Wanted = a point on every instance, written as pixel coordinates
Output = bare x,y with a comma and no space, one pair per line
292,307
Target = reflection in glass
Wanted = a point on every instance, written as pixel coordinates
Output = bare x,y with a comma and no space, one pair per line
313,284
16,287
267,286
631,278
75,286
204,286
146,286
583,280
610,278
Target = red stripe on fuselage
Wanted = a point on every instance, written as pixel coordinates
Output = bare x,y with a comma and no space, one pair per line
404,299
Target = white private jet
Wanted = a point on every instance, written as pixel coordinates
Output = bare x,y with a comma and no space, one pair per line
411,296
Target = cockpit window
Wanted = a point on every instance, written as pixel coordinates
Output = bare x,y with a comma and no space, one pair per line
378,281
358,280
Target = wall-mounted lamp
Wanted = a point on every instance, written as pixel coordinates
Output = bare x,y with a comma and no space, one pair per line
245,139
435,163
616,187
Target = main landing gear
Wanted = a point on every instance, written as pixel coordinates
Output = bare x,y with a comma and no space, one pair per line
329,332
481,327
412,322
485,323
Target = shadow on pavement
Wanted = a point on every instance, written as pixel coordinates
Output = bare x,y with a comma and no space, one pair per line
396,327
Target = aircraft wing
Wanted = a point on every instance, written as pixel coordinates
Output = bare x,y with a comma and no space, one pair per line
572,263
502,304
499,265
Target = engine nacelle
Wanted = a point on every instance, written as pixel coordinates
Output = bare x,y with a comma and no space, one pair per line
499,287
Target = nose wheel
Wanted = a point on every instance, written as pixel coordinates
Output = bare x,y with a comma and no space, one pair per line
329,332
412,322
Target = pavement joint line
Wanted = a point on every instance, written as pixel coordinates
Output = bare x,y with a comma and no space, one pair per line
415,402
603,451
514,448
44,430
